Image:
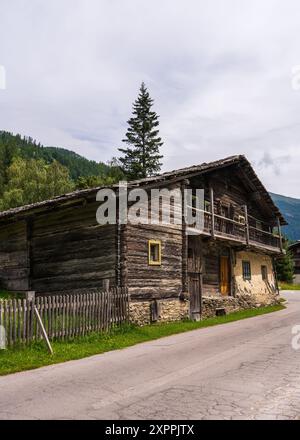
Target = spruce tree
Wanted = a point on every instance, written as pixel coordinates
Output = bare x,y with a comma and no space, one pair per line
141,155
285,265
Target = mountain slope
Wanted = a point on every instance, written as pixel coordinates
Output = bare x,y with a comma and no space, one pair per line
290,208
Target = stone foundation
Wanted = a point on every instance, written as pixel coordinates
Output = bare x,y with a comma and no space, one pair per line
233,304
167,310
173,310
141,313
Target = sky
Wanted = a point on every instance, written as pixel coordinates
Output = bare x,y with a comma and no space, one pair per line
224,74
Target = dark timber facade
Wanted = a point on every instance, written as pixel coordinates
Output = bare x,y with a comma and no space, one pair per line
171,272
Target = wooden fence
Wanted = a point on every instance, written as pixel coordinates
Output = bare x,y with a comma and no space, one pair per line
63,316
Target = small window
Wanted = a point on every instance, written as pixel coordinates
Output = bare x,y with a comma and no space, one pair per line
154,252
264,273
246,270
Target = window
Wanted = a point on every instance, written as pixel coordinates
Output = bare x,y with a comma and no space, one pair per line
246,270
154,252
264,273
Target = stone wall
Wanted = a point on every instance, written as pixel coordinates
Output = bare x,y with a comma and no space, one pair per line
176,310
173,310
140,312
233,304
167,310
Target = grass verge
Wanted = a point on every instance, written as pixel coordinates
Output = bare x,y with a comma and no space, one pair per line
36,355
285,286
4,294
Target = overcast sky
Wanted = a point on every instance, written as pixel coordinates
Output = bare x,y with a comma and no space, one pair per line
220,72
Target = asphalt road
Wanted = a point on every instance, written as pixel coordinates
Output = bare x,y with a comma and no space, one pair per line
243,370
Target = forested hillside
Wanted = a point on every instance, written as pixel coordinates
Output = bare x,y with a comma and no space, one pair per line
28,148
30,172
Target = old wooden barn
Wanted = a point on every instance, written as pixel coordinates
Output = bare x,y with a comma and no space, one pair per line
57,246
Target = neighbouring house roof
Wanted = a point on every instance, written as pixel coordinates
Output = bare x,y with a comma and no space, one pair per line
296,244
240,161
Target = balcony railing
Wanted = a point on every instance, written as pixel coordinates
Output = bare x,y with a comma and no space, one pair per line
219,226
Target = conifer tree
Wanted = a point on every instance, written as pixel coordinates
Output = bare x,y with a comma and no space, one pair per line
285,265
141,157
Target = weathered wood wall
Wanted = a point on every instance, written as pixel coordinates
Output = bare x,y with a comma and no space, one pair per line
60,250
71,251
145,281
14,267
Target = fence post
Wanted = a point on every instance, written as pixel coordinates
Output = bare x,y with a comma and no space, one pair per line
106,284
30,297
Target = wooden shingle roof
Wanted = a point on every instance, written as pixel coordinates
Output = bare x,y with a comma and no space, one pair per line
240,161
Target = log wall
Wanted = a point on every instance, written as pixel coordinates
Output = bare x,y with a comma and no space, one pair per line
71,251
14,265
154,282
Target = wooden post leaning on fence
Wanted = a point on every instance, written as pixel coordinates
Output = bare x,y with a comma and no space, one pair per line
44,333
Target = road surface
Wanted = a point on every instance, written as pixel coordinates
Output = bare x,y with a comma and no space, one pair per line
243,370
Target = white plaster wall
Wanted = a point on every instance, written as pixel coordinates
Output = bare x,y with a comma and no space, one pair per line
256,285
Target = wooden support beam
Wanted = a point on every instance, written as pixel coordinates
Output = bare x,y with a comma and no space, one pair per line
185,286
247,225
212,210
43,330
280,234
232,277
29,227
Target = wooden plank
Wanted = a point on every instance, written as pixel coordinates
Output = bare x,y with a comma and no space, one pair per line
44,333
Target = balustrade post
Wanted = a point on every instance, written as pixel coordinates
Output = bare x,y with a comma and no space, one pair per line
212,210
247,225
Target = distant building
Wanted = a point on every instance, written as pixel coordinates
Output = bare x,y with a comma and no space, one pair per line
295,249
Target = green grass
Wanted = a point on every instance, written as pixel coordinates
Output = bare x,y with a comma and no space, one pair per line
36,355
285,286
4,294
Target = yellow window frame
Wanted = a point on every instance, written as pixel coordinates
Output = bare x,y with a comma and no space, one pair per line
150,261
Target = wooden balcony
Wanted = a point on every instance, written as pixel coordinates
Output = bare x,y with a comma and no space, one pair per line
219,227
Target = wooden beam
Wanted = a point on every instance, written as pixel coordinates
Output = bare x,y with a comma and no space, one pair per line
232,277
29,227
212,210
280,234
185,287
43,330
247,225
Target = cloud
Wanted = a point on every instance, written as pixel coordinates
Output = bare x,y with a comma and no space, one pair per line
220,73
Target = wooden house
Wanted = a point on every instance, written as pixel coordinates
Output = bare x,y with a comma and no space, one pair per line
171,272
295,250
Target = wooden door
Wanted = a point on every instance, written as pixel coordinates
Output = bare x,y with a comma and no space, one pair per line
194,276
225,275
195,295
